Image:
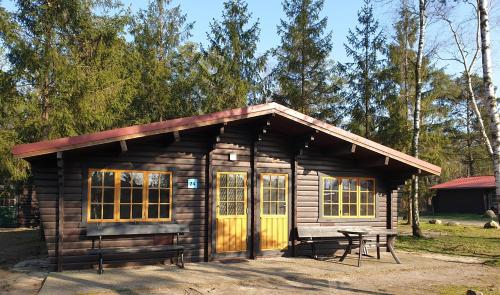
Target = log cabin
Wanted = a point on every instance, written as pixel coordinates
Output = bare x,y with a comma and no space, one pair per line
241,180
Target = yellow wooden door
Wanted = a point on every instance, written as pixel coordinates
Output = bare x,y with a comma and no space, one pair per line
231,217
274,211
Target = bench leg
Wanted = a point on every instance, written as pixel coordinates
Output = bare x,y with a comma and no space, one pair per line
314,256
100,270
378,246
361,246
348,249
390,244
180,259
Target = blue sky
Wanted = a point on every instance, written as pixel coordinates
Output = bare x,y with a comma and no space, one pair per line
342,15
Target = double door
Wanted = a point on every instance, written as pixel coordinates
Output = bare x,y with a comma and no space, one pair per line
232,211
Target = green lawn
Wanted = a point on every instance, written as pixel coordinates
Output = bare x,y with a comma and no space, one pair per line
460,240
460,217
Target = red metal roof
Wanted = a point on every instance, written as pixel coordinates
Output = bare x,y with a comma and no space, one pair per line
137,131
487,181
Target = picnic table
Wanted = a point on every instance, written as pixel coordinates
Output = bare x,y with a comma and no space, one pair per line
361,235
357,236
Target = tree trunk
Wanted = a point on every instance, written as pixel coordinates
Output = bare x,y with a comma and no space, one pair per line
490,92
416,115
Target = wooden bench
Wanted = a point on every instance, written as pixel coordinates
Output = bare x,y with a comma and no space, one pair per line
322,235
96,230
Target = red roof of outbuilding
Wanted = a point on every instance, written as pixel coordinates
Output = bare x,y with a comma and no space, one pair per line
487,181
137,131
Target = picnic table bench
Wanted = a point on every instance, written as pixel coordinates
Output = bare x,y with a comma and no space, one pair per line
96,230
355,235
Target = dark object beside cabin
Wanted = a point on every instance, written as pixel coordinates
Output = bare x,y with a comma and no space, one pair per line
107,230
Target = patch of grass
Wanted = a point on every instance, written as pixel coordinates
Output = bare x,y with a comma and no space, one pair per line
454,240
456,216
454,289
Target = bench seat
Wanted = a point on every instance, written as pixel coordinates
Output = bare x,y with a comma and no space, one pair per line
110,230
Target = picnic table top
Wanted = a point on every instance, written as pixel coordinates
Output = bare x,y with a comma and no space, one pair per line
339,231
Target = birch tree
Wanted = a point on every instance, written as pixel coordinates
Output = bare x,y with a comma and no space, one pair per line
490,91
467,59
416,113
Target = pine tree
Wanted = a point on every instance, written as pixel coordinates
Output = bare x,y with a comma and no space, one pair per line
232,67
304,75
159,35
69,62
366,45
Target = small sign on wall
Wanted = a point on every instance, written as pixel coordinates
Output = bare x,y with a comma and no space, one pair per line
192,183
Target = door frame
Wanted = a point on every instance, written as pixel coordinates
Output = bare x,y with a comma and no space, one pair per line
260,171
213,232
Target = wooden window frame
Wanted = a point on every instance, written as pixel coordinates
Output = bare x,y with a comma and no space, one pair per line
217,191
340,194
117,187
262,192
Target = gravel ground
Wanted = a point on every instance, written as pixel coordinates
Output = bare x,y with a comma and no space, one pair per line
419,274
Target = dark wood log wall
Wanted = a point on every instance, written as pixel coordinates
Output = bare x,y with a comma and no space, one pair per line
187,159
311,165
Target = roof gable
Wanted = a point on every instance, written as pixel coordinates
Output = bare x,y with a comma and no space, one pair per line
138,131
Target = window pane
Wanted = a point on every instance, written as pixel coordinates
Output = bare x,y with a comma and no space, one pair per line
240,208
125,179
223,180
281,181
223,208
363,210
327,210
353,197
109,179
137,179
137,211
366,185
345,210
274,181
281,195
231,181
352,210
371,210
267,180
231,208
165,180
95,195
125,194
335,197
153,211
154,180
371,198
274,195
95,211
327,184
328,198
267,194
137,196
240,180
335,210
363,197
96,178
153,196
124,211
240,193
281,208
164,211
231,194
266,207
164,196
223,194
273,208
345,197
108,211
109,195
